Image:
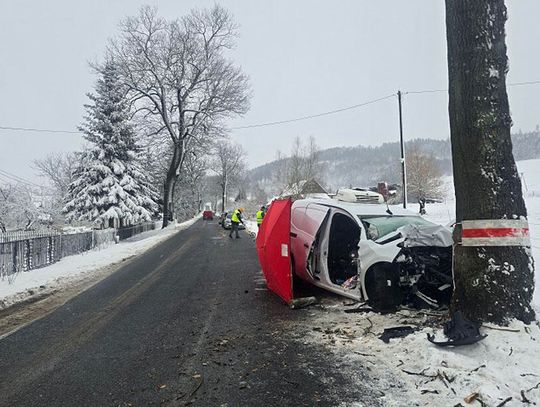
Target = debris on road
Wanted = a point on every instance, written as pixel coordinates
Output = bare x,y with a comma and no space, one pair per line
360,308
460,331
396,332
470,398
303,302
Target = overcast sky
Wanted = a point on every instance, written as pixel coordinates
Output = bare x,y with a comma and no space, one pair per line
303,58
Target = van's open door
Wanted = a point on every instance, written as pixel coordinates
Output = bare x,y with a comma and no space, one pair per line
273,248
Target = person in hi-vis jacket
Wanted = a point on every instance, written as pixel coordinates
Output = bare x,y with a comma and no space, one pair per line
236,219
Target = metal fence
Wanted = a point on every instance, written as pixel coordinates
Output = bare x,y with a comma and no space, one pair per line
128,231
24,251
26,234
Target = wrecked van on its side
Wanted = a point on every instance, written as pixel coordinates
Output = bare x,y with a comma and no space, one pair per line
365,252
369,253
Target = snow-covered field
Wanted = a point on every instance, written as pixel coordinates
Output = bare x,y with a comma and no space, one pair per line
71,269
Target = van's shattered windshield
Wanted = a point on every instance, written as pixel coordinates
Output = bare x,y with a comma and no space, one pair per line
380,226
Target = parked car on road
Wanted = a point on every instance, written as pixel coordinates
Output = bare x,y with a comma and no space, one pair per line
226,223
362,251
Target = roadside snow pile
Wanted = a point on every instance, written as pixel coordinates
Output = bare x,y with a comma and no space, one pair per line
76,229
251,227
505,364
71,269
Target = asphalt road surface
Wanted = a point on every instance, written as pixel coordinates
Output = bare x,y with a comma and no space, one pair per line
187,323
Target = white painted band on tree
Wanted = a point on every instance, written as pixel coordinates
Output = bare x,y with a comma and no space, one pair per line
495,232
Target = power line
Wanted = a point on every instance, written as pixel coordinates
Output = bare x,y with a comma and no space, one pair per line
5,179
251,126
275,123
446,90
38,130
16,178
413,92
360,105
524,83
10,178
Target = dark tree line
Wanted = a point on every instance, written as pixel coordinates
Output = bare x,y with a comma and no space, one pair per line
363,165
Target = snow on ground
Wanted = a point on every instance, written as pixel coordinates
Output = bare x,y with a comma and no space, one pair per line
76,229
251,227
413,372
74,268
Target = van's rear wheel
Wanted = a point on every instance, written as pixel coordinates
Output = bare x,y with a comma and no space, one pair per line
382,286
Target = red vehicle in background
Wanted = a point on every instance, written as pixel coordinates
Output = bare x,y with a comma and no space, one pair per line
208,214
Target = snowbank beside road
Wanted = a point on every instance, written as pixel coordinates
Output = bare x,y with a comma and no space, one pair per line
251,227
71,269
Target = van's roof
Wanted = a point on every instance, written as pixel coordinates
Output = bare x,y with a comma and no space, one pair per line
362,208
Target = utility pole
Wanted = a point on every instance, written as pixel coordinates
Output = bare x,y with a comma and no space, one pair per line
402,144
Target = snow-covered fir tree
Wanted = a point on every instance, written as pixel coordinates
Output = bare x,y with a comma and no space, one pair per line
109,186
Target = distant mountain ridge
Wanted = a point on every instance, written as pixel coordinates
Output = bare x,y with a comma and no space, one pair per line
366,165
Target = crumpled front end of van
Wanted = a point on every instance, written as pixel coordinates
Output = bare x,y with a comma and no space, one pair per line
425,265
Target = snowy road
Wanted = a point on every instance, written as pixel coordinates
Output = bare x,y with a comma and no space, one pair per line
188,322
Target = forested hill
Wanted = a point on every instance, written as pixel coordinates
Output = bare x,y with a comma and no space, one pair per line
361,165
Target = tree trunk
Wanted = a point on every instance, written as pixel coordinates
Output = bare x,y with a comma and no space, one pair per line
167,200
223,193
222,198
492,282
168,187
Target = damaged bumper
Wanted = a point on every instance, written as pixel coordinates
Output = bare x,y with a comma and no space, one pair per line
425,265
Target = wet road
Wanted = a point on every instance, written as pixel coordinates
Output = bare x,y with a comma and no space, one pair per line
187,323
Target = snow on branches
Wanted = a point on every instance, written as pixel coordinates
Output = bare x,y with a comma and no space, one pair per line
109,187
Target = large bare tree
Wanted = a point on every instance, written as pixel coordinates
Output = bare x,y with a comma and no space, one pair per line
424,177
303,164
178,77
191,184
18,209
494,280
58,168
228,164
